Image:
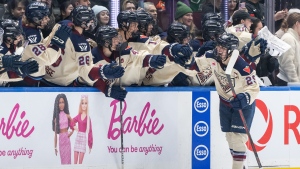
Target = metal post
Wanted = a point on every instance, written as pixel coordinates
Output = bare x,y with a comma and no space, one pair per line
269,15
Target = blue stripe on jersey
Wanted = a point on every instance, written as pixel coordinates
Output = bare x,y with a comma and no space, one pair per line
96,55
79,42
126,51
33,35
243,67
3,49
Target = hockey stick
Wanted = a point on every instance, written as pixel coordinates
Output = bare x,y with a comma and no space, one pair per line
121,47
228,71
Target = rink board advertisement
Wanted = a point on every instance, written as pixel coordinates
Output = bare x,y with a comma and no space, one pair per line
163,128
153,134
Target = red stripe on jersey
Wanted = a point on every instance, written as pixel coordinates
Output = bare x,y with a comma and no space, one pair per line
94,74
146,61
166,52
100,85
12,75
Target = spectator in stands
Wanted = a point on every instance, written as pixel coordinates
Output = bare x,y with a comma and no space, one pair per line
16,10
65,10
151,9
129,5
211,6
289,62
76,3
284,27
184,15
267,65
102,15
233,5
2,8
255,9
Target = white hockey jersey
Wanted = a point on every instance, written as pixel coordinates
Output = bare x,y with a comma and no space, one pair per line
74,61
243,78
135,63
157,77
36,49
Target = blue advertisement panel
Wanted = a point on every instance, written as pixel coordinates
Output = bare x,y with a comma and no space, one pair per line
201,130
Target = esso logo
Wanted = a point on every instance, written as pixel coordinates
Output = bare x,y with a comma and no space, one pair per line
201,128
201,105
201,152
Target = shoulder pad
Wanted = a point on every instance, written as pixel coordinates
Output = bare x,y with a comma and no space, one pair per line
96,55
126,51
79,42
243,67
32,35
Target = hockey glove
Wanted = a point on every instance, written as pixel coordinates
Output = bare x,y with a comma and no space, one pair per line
180,80
61,36
11,62
180,53
111,71
29,67
157,61
209,45
195,44
240,101
116,92
255,49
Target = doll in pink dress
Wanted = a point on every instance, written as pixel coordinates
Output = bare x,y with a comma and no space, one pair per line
60,125
84,135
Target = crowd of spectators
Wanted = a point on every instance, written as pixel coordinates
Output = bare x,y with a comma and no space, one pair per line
246,18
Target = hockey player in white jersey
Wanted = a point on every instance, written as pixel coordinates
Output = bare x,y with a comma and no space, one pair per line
76,59
36,18
136,63
12,68
244,82
179,33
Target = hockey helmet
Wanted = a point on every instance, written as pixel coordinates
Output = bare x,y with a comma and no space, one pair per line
228,41
84,17
177,32
11,30
36,11
144,19
211,30
125,18
212,16
104,36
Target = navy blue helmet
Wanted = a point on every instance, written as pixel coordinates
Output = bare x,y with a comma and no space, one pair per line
84,17
36,11
104,35
177,32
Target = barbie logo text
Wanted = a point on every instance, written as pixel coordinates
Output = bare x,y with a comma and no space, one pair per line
137,124
10,127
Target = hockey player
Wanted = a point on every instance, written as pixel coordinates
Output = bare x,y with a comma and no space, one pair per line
179,33
244,79
39,49
241,27
12,68
136,63
76,59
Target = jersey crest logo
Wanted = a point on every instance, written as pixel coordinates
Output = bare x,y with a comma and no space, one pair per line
247,69
223,82
32,38
83,46
204,75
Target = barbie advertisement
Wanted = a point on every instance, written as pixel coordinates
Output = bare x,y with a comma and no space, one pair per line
60,129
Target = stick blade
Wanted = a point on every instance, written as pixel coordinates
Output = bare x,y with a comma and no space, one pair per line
233,58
